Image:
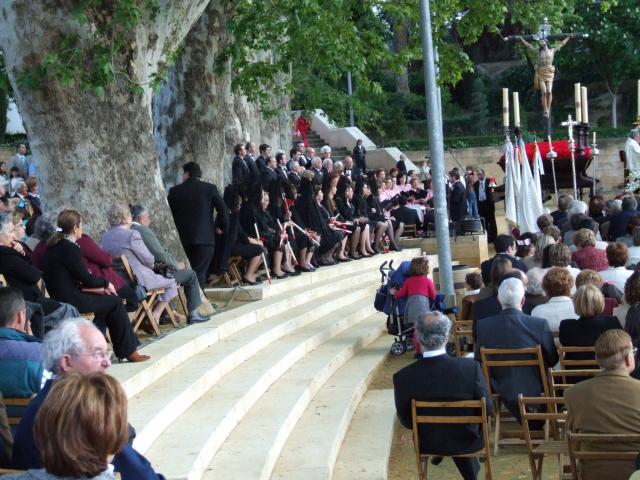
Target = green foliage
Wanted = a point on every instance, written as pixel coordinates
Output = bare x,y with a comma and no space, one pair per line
479,105
97,57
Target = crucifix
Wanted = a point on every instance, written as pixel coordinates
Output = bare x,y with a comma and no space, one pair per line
544,68
570,123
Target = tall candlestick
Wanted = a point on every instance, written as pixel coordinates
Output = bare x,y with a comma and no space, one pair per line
505,107
550,144
516,110
594,138
577,95
585,105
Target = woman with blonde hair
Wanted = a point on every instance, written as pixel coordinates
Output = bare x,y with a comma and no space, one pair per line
80,426
542,242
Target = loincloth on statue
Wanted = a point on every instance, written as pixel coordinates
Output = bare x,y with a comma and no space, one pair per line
544,74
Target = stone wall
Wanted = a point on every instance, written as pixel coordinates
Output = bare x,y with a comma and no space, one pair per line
609,169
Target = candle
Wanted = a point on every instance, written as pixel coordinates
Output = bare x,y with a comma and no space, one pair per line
550,145
516,110
505,107
585,105
594,139
577,95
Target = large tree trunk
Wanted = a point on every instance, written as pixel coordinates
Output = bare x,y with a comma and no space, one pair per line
614,108
400,42
196,115
93,151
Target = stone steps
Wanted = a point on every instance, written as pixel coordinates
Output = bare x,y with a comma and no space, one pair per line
241,381
365,452
325,422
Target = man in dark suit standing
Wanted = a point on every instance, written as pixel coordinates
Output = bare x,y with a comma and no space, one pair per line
457,197
360,155
486,204
439,377
249,159
513,329
294,175
239,169
193,204
265,153
505,246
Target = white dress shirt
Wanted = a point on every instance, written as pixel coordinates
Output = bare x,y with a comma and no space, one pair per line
616,275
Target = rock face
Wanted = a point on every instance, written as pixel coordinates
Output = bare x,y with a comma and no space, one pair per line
196,115
93,150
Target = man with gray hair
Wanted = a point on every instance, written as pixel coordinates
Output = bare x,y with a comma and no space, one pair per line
74,346
183,276
318,171
619,221
632,151
513,329
437,376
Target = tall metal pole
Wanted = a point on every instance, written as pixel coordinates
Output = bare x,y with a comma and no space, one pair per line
352,123
436,147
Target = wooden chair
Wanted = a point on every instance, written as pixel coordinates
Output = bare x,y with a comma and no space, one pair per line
14,405
582,447
478,419
511,357
461,329
232,276
567,363
554,442
410,231
6,471
560,380
145,309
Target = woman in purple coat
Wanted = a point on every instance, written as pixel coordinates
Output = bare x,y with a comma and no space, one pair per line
122,240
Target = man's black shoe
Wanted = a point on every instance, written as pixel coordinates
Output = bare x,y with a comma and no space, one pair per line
197,318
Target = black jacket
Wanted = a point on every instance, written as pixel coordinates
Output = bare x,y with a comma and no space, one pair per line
20,274
513,329
65,273
488,192
584,331
406,215
240,171
484,308
442,378
193,204
457,202
485,267
360,157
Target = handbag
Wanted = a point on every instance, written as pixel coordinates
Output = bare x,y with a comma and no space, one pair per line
381,298
141,292
166,270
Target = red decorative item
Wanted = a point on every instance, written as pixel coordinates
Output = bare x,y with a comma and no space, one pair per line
302,126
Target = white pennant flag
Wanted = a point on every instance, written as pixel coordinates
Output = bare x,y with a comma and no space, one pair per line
530,205
510,187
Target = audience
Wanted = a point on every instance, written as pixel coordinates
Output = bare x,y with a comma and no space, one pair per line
559,255
513,329
534,292
505,247
618,222
560,215
76,346
489,306
557,284
587,256
449,379
591,277
606,403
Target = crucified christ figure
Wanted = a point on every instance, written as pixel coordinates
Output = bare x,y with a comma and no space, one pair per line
543,79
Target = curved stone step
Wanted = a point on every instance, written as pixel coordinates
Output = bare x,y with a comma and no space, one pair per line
365,451
252,449
176,348
220,409
157,406
312,448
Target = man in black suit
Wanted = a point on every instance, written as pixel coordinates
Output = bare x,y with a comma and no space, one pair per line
193,204
240,172
404,214
294,175
265,153
486,204
505,246
560,215
439,377
457,197
318,171
350,170
513,329
249,159
360,155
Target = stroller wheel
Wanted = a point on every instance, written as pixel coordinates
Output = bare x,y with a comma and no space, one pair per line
398,348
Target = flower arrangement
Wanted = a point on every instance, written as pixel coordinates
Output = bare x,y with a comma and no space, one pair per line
634,181
492,182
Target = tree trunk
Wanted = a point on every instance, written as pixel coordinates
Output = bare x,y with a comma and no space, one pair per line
4,106
400,42
196,115
93,151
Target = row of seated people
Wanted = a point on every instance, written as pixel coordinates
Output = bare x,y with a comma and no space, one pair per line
81,437
80,276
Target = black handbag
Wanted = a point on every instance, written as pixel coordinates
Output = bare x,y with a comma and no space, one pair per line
161,268
381,298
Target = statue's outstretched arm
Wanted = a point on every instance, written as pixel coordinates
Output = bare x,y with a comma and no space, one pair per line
562,43
527,44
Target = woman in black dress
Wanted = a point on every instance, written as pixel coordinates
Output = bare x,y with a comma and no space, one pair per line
360,238
381,224
67,277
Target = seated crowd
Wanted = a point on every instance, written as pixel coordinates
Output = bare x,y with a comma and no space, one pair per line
576,283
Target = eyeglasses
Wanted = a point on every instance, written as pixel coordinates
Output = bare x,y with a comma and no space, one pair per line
96,354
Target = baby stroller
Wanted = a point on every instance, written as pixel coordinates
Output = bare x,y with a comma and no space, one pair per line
394,308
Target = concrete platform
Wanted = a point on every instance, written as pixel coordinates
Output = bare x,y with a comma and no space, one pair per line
469,250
